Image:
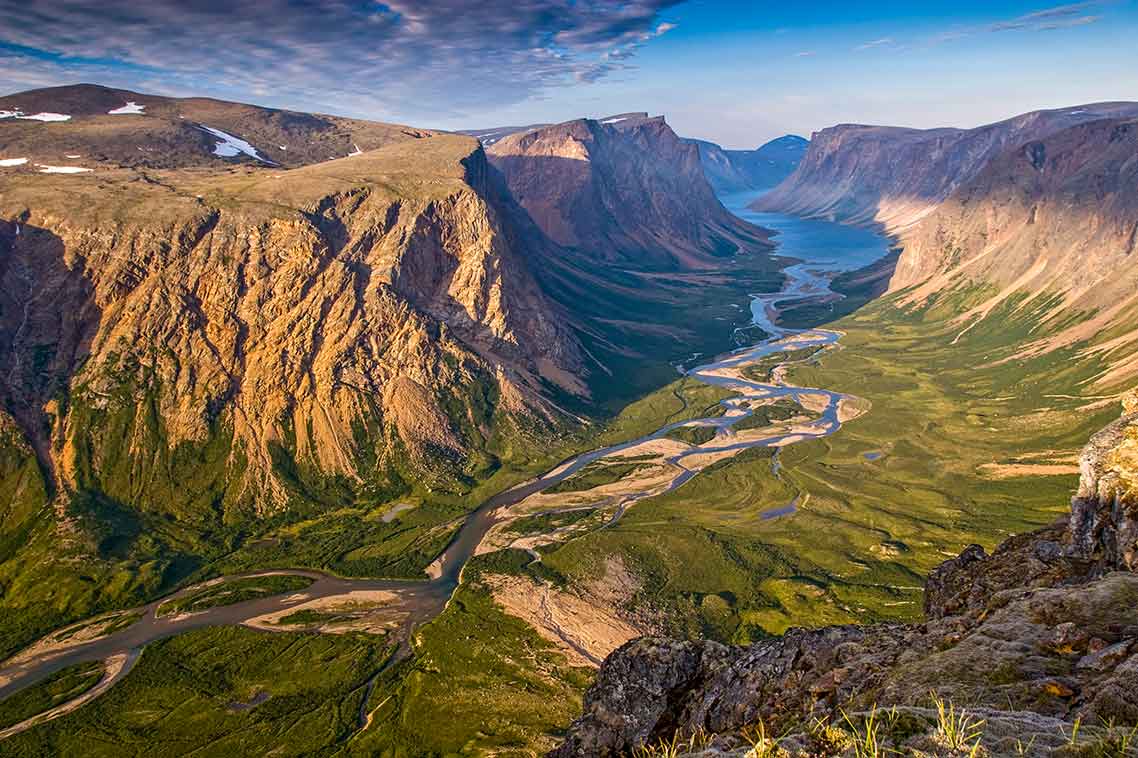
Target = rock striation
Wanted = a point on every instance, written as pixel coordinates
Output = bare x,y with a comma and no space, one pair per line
1039,634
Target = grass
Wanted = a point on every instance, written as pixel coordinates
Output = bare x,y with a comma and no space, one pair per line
62,686
180,698
693,435
481,682
233,591
959,730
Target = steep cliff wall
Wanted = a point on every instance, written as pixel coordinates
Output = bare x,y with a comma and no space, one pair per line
893,177
269,336
624,189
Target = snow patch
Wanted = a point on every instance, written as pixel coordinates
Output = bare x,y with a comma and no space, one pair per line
13,161
73,156
46,117
61,169
355,150
231,147
35,116
131,108
615,120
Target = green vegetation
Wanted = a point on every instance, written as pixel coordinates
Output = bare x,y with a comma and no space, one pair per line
866,532
481,682
190,693
62,686
233,591
765,415
693,435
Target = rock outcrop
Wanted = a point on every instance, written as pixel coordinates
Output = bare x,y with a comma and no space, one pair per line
1036,636
625,189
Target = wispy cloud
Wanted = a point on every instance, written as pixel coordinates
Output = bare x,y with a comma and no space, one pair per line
875,43
805,54
1058,17
442,56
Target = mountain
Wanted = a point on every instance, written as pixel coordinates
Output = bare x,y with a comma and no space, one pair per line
624,188
1052,226
87,125
748,170
316,320
1024,645
893,177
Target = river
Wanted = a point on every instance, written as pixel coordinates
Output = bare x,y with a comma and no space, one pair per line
819,250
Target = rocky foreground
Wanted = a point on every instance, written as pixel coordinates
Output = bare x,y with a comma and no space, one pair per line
1032,650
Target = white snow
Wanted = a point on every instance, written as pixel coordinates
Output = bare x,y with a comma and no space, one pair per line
46,117
13,161
61,169
355,150
130,108
35,116
231,146
73,156
1075,113
615,120
283,147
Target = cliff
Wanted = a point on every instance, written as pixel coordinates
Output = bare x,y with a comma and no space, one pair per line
892,177
274,336
625,189
1039,641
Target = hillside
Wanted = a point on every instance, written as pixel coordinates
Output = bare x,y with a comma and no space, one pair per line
1051,227
88,126
892,177
747,170
1033,648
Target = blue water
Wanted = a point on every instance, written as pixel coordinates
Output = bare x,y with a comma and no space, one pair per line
824,245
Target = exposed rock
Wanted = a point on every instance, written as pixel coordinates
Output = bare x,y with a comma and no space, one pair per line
893,176
289,326
624,189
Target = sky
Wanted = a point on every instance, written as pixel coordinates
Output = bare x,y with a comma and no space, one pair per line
738,73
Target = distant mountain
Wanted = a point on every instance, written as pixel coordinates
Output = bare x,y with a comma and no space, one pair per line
893,177
87,125
624,188
742,170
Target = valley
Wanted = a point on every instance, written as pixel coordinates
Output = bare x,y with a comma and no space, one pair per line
394,609
387,452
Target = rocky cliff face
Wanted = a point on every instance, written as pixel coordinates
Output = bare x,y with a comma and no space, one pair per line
1039,634
747,170
623,189
893,177
273,336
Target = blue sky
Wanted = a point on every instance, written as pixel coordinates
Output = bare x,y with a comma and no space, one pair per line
737,73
